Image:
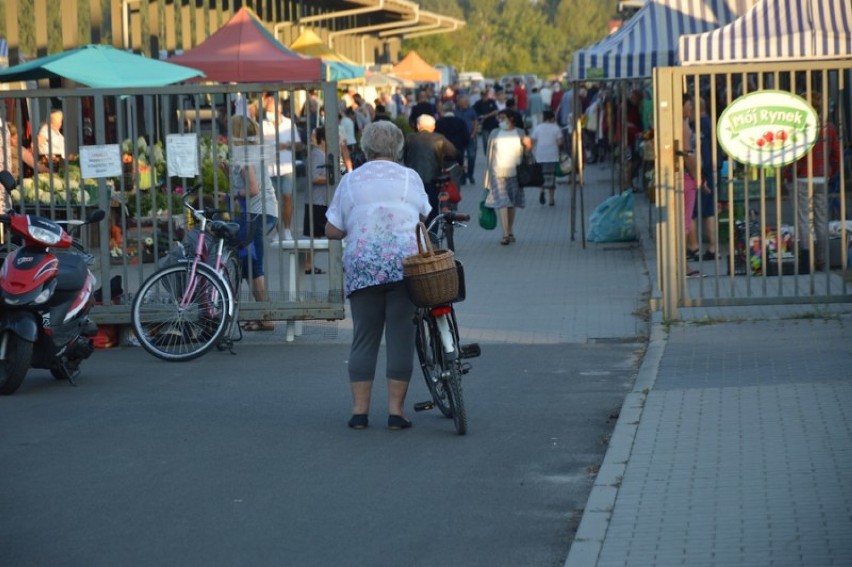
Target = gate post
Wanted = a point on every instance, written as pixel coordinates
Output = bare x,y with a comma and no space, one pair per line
666,100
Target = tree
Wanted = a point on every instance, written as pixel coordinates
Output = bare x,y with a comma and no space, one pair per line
509,36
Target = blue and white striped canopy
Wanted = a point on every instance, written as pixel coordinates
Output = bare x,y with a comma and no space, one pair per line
650,38
776,30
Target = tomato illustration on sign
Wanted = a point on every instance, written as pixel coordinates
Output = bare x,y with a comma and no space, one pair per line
774,140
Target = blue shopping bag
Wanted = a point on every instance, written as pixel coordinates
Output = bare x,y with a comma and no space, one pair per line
613,220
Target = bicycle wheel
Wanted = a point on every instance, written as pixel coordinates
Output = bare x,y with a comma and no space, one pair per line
451,372
175,333
429,351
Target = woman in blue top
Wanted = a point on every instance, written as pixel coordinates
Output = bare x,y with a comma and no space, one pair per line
376,209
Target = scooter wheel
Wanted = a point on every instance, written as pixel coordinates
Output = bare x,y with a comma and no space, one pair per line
13,369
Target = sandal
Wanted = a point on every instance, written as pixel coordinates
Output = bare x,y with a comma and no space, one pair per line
315,271
505,241
258,326
511,238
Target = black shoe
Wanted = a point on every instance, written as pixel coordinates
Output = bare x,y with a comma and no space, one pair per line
709,256
693,255
358,421
397,422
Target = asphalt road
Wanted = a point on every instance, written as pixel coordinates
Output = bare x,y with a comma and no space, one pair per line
246,460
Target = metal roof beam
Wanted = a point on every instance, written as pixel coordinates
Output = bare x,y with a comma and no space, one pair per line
343,13
441,24
376,27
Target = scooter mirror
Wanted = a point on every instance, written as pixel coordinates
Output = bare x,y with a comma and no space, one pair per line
97,216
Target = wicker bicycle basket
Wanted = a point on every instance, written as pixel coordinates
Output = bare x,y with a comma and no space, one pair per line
430,275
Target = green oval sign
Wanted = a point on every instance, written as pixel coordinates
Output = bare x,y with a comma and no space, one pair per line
768,128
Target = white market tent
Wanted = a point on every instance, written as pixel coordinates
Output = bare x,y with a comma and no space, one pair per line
650,38
776,30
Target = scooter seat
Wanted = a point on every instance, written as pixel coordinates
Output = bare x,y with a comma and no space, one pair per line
72,272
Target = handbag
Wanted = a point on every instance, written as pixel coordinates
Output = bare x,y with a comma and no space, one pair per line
565,166
445,184
487,215
529,173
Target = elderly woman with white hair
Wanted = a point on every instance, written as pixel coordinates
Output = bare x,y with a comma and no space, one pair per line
375,209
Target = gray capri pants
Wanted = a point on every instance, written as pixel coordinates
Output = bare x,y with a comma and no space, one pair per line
375,309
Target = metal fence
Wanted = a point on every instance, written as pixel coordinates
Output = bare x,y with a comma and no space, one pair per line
764,253
145,216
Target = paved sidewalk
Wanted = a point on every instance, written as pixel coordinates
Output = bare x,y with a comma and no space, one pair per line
734,447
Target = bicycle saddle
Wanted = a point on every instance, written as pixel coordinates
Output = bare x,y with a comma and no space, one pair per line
223,229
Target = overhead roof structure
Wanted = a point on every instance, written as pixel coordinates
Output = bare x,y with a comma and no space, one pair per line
387,17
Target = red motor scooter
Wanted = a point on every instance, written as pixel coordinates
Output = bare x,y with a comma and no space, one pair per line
45,298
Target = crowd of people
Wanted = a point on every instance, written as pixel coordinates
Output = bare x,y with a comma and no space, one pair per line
396,152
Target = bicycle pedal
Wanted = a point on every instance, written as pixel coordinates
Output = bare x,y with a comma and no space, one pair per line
424,406
471,350
465,368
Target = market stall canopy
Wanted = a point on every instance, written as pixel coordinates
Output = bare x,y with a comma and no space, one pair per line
414,68
379,79
776,30
101,66
244,51
336,67
650,38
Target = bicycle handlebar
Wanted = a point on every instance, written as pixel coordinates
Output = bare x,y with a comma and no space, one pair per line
207,212
451,217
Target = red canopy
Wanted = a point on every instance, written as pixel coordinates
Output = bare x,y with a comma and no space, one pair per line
243,51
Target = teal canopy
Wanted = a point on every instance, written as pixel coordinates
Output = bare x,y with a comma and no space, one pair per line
340,71
101,66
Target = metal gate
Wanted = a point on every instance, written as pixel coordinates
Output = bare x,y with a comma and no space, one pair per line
145,216
756,225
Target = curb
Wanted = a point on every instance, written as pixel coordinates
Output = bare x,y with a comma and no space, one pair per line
588,542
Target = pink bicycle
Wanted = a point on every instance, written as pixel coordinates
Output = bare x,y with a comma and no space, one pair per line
191,305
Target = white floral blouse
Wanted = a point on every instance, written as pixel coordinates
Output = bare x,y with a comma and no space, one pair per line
378,206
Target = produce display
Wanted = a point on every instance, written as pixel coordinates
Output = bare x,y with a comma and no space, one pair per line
61,186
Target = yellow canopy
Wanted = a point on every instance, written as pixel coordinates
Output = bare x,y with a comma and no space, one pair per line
309,43
337,67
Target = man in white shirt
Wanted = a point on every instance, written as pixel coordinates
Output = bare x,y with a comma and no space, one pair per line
52,143
278,133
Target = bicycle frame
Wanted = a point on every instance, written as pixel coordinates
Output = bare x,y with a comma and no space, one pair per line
200,256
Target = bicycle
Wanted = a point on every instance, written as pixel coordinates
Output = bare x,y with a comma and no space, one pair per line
437,342
192,303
